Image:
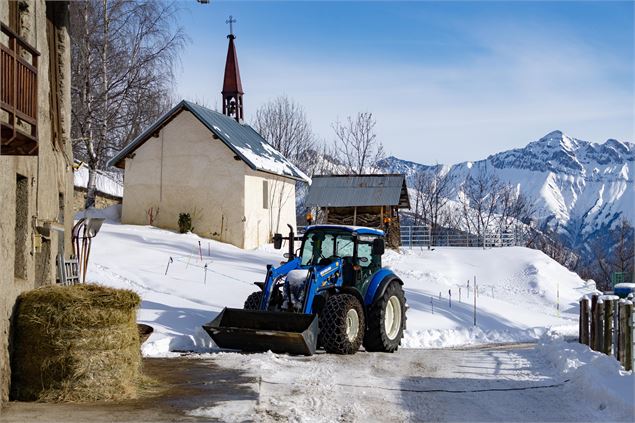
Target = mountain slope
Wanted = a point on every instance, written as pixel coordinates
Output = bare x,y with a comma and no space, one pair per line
580,188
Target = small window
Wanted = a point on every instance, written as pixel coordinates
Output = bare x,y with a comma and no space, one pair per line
265,194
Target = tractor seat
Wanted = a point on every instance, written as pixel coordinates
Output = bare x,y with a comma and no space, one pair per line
348,272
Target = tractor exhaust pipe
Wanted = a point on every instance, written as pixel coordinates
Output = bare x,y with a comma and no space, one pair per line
291,243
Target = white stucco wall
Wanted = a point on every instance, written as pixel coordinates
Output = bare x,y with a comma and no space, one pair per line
185,169
261,222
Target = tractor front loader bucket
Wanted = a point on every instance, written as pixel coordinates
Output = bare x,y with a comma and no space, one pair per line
249,330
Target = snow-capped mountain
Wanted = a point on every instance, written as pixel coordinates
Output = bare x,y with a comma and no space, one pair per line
579,188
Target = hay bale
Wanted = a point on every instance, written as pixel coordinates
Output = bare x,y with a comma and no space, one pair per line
76,343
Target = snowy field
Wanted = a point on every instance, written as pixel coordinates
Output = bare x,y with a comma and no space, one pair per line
518,289
522,295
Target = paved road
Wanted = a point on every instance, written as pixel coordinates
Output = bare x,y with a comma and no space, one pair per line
510,383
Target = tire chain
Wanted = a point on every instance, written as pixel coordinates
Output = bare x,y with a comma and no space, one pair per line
333,324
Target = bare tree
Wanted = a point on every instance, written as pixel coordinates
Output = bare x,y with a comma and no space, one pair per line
513,208
479,201
613,252
421,212
123,56
283,123
432,191
357,145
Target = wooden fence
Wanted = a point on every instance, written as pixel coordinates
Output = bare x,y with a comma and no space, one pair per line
606,325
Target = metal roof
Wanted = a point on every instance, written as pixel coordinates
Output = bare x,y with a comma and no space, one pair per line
358,190
241,138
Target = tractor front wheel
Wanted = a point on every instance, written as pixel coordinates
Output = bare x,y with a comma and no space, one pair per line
253,301
342,324
386,320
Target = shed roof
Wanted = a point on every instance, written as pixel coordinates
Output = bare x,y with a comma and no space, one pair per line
358,190
241,138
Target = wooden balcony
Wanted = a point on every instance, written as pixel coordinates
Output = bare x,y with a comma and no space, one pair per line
18,95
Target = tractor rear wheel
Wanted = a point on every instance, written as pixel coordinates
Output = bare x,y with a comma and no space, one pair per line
342,324
386,320
253,301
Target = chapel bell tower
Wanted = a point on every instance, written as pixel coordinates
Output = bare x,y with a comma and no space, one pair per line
232,87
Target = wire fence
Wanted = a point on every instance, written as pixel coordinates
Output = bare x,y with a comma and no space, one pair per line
422,236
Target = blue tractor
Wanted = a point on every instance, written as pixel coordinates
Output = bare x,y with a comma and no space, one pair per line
333,292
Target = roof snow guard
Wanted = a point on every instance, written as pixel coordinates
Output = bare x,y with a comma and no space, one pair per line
358,191
241,138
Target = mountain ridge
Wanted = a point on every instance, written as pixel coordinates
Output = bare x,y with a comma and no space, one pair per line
579,188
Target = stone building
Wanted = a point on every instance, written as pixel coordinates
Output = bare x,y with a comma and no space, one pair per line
236,187
361,200
36,161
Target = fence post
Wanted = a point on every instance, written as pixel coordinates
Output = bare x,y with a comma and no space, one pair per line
608,325
583,331
628,335
621,333
599,329
592,332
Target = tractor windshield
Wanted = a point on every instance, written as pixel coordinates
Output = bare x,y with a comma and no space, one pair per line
319,246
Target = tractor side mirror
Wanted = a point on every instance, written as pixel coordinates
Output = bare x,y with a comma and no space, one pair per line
378,247
277,241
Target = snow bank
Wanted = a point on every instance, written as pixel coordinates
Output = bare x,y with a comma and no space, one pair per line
595,376
518,293
444,338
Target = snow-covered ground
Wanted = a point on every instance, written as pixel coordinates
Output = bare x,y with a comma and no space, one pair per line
518,289
554,381
522,295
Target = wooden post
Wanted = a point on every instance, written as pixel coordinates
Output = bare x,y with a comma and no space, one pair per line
608,326
627,329
621,333
354,215
592,332
599,327
474,300
584,321
381,216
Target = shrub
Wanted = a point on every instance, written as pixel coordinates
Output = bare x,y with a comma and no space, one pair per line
185,223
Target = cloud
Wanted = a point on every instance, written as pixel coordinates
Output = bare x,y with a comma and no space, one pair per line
523,82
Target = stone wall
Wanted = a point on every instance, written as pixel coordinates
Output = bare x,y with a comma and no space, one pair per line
101,200
36,191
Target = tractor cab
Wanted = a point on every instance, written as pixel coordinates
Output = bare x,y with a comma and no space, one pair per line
360,250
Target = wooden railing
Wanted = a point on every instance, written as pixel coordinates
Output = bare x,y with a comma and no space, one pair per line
18,94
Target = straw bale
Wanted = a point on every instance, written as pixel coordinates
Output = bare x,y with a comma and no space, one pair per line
76,343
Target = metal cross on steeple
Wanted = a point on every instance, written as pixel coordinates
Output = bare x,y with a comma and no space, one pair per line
231,21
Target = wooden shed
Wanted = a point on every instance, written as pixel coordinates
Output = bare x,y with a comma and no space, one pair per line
365,200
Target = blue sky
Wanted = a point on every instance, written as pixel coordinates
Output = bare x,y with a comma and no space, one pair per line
446,81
